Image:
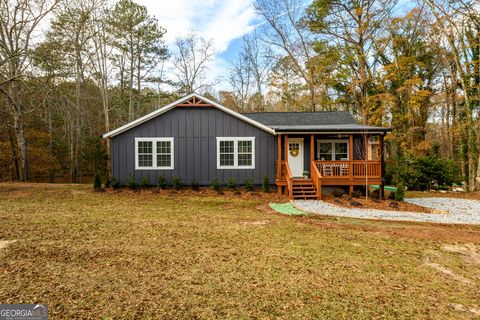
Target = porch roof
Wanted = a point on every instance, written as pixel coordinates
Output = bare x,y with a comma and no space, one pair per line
323,121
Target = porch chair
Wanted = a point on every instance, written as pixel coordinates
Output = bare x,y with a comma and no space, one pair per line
344,169
327,170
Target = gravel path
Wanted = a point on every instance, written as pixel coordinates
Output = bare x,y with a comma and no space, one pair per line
460,211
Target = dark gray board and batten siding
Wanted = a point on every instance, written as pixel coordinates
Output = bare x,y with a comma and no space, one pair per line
195,132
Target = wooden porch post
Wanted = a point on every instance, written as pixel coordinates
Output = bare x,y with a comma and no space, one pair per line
367,138
313,167
350,172
279,162
382,168
287,191
312,149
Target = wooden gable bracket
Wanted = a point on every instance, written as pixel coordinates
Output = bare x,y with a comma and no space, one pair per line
194,102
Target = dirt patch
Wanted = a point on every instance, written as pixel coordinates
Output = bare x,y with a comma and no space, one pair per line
460,307
399,229
6,243
255,223
347,201
449,273
468,252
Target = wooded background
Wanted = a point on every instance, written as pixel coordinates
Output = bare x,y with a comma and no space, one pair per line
102,64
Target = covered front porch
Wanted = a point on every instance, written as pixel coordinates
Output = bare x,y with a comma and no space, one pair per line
306,162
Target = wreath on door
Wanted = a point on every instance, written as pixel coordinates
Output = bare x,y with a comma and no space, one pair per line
294,152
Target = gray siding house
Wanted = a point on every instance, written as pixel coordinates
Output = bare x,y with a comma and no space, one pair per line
195,138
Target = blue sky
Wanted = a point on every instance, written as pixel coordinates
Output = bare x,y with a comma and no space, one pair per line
224,21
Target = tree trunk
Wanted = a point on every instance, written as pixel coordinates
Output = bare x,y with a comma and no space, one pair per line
50,143
139,86
76,172
106,113
131,110
14,153
18,124
311,89
122,80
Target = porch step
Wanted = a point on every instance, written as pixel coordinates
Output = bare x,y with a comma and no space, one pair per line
303,189
299,181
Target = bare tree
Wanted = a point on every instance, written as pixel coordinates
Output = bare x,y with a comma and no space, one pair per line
285,32
19,19
193,53
256,56
240,79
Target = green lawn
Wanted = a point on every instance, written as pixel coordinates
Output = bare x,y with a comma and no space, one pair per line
176,256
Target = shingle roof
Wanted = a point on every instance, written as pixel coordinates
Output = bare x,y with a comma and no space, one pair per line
311,121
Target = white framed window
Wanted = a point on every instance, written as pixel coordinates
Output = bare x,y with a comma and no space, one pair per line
154,153
235,152
336,150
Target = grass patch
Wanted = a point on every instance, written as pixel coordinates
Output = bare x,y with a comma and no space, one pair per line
194,255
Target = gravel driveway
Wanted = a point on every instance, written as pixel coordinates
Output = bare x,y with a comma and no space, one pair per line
460,211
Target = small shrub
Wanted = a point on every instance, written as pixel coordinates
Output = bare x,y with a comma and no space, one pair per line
97,182
400,193
131,182
161,182
115,183
195,185
145,183
266,184
108,182
177,182
232,183
214,184
249,184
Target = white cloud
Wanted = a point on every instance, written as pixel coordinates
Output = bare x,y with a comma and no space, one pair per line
220,20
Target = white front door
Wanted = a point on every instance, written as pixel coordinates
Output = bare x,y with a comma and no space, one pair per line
295,156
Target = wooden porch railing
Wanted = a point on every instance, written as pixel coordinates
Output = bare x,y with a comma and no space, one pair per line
289,178
285,174
349,169
316,179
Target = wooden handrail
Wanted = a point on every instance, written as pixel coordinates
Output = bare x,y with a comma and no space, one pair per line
316,178
289,178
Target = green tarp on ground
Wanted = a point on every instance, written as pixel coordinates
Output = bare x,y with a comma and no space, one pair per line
388,188
286,208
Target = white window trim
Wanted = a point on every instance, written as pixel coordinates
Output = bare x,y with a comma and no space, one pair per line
235,152
333,141
154,153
